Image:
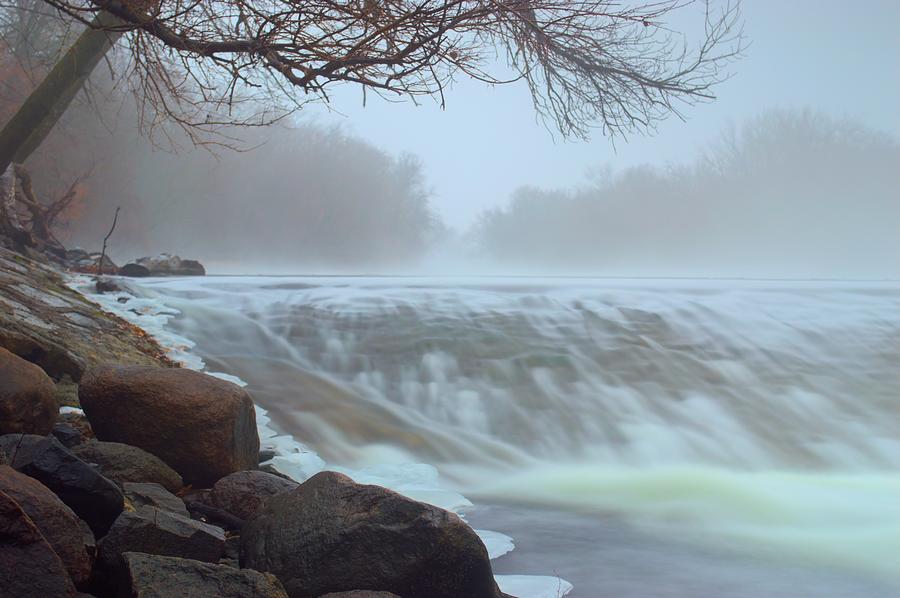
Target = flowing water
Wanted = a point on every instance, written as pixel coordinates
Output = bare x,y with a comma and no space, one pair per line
635,437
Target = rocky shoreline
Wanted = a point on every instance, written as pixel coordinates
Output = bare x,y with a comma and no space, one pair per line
155,488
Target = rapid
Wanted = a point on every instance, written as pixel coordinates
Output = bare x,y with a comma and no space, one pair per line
635,437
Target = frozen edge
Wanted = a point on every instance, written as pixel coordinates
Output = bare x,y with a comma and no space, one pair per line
295,459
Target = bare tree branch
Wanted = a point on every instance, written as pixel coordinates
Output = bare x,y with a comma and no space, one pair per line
589,64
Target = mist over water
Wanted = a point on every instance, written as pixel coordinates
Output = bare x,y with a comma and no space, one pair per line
749,424
789,194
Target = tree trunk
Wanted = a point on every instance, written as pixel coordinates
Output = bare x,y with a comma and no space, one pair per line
9,218
34,120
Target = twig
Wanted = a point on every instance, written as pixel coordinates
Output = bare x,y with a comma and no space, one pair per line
105,239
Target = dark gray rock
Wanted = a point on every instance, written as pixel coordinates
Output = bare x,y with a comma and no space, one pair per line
242,493
148,494
152,576
104,285
28,564
27,397
134,270
67,434
385,541
125,463
360,594
94,498
154,531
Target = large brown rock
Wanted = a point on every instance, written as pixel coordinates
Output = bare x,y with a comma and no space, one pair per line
153,576
123,463
333,535
56,522
242,493
27,397
28,564
203,427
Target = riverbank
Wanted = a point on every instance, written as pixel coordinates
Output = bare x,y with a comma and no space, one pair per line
163,469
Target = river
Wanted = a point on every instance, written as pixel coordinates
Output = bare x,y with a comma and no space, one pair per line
635,437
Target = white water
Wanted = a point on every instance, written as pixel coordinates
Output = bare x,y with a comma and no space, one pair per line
758,418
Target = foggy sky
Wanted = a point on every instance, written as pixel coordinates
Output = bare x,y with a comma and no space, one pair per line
839,57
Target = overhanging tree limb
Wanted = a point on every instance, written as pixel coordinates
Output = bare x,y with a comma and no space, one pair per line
589,64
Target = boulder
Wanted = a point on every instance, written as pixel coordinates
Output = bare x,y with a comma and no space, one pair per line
360,594
385,542
242,493
125,463
27,397
103,285
147,494
94,498
28,564
134,270
163,265
203,427
57,523
153,576
154,531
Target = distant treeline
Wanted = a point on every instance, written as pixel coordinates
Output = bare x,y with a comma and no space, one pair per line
300,197
791,193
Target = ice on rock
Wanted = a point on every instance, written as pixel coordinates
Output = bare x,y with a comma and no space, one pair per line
533,586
